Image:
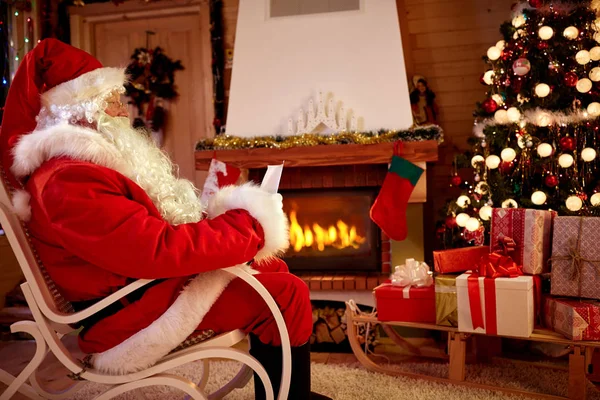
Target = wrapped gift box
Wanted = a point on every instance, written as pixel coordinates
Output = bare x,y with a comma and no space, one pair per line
574,235
511,315
446,306
575,319
458,260
406,304
530,229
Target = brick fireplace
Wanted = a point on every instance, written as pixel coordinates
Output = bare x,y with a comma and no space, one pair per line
328,191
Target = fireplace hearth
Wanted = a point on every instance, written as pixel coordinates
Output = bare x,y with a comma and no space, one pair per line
330,230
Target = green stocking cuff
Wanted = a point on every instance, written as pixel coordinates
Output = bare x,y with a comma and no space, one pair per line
405,169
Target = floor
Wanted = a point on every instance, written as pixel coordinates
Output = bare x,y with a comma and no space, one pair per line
15,355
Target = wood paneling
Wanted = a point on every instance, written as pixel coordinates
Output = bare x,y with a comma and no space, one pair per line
343,154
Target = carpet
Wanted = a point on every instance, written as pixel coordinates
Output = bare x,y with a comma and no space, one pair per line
352,382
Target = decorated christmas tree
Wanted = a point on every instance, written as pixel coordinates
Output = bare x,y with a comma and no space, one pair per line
536,131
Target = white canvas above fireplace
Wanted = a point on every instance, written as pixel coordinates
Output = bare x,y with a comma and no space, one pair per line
281,63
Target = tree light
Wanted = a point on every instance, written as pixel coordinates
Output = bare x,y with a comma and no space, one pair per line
510,203
488,77
565,160
463,201
494,53
461,219
583,57
545,33
485,213
594,109
571,32
595,53
477,159
584,85
574,203
513,114
595,74
492,162
542,90
501,44
498,99
538,198
588,154
501,116
545,150
472,224
508,154
595,199
518,21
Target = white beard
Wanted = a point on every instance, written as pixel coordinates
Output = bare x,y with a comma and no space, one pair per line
148,166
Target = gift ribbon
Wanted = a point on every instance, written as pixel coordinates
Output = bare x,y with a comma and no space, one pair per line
577,261
492,266
412,273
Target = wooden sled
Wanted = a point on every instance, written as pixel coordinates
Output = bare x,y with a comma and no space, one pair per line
579,359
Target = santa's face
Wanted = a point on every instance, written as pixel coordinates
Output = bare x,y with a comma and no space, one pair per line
115,108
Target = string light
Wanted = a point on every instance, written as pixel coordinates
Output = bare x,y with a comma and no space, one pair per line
4,81
16,13
26,40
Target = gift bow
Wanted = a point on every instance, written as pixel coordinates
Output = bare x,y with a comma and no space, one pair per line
491,266
412,273
505,245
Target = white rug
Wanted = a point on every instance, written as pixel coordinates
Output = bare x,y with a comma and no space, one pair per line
343,382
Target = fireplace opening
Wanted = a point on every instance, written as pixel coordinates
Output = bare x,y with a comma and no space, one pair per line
331,231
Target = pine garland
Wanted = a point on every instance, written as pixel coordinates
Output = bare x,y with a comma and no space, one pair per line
228,142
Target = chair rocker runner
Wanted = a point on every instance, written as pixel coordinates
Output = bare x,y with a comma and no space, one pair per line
54,317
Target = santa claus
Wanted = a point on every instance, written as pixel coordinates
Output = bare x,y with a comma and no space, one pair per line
103,208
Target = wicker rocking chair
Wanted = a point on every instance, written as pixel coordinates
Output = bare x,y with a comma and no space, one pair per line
54,317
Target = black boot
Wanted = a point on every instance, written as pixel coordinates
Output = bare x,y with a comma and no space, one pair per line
270,358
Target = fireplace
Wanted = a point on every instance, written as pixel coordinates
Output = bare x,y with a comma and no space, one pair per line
330,230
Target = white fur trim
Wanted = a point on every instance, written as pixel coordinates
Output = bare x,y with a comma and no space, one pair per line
99,82
72,141
149,345
20,203
265,207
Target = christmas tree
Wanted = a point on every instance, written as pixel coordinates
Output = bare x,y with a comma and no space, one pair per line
536,131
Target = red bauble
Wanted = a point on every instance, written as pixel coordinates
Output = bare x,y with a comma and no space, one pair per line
582,196
456,180
489,106
542,45
535,3
571,79
567,143
450,221
506,167
551,181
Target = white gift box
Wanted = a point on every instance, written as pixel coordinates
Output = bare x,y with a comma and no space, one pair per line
514,306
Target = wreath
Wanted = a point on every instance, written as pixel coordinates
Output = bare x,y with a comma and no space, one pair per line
152,80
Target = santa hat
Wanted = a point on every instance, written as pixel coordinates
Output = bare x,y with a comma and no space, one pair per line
54,83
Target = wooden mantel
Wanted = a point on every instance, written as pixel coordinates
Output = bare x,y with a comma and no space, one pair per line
325,155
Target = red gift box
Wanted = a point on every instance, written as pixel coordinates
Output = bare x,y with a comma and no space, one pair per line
575,319
458,260
405,304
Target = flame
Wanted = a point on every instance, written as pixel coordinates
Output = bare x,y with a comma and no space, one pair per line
340,236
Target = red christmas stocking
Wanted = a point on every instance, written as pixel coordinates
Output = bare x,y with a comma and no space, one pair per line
389,209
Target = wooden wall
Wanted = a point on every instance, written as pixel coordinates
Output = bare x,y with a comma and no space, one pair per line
444,41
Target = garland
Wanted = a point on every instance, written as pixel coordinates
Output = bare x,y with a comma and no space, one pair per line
227,142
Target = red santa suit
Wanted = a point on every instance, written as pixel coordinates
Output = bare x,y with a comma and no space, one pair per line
96,230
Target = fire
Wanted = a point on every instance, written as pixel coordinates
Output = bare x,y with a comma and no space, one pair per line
339,236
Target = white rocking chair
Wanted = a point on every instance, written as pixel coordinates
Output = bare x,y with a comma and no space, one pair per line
54,317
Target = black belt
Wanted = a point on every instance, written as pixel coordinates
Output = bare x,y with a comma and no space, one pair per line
111,309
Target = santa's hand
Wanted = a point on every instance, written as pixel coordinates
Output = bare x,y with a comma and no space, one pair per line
265,207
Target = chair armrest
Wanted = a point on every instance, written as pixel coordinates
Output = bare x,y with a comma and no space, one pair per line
283,332
93,309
